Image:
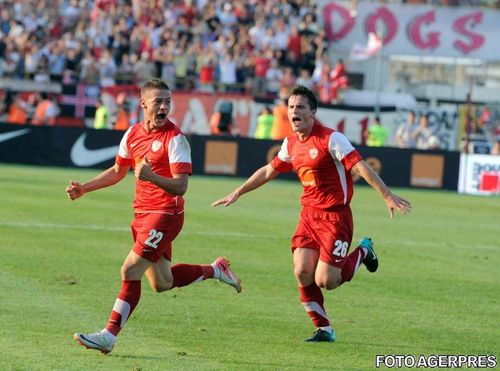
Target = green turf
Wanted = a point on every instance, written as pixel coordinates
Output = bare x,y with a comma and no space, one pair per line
436,292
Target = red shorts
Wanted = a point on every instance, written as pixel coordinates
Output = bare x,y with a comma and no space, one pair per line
153,234
328,232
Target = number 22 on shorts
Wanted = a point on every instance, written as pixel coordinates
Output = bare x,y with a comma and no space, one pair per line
154,238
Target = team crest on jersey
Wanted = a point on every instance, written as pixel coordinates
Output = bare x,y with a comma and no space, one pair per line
313,153
156,145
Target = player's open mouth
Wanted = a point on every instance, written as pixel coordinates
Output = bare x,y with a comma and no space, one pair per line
296,119
161,116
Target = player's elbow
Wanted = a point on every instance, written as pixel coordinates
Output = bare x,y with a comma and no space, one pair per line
181,189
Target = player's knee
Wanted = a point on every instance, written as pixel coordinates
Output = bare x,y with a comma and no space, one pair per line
330,283
161,287
304,277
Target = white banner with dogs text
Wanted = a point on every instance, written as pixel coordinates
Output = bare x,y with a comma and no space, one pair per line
423,30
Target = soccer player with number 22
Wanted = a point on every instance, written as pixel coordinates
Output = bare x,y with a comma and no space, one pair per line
161,159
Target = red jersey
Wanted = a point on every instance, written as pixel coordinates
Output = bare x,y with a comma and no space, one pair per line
168,153
323,163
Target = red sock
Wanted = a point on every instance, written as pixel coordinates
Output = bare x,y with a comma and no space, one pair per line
312,300
124,306
352,264
186,274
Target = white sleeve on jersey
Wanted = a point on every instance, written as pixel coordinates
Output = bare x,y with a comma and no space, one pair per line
283,154
339,146
123,149
179,150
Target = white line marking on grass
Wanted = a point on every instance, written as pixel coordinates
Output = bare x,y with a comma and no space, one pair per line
123,229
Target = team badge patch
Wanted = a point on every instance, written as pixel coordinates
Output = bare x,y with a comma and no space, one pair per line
155,146
313,153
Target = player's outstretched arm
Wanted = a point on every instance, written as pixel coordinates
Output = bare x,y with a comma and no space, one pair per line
393,201
107,178
260,177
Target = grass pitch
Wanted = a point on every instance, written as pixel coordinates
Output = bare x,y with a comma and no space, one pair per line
436,291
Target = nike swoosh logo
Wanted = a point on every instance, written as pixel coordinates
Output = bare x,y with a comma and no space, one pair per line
13,134
82,156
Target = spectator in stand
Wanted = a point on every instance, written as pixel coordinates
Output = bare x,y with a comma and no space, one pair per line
305,79
42,71
207,73
191,73
46,111
227,67
227,18
31,60
274,75
144,69
262,62
5,18
107,69
243,77
269,40
485,122
57,60
338,81
88,68
282,34
287,82
308,54
211,22
124,72
257,33
377,134
181,64
404,133
294,43
424,136
324,83
265,122
73,57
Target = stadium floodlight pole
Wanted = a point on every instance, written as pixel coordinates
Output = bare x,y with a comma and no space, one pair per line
378,69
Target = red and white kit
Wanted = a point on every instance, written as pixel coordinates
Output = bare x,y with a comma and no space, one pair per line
159,216
323,163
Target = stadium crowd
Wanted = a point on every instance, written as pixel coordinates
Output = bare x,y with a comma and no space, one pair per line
258,47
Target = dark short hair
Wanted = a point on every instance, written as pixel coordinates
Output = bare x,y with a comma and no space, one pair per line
154,84
308,93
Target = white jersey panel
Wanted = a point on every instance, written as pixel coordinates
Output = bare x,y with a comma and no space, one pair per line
123,149
179,150
283,154
339,146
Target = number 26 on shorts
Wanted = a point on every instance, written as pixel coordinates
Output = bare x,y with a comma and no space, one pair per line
340,248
